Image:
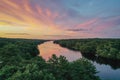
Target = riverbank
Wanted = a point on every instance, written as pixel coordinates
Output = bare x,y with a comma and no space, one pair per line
19,60
109,68
103,48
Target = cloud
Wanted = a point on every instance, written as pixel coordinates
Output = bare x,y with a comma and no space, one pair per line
107,24
57,35
30,13
88,23
57,18
76,30
17,34
5,22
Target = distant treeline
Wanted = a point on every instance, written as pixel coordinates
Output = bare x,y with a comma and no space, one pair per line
19,60
106,48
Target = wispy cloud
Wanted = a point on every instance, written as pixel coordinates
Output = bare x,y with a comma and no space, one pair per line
76,30
59,18
17,34
7,22
57,35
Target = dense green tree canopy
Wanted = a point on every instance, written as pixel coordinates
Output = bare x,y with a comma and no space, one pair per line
19,60
107,48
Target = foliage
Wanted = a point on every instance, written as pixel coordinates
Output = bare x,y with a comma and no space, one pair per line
82,67
19,60
107,48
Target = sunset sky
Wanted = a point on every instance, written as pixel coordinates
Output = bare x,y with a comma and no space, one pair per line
60,19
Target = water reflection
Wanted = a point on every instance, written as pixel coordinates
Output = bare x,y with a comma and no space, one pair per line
48,48
114,64
108,69
106,72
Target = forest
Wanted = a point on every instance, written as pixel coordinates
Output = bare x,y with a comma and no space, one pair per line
19,60
105,48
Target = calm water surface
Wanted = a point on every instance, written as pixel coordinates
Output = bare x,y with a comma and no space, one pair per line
105,71
47,49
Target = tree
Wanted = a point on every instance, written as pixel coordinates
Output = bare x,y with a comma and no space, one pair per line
82,69
59,67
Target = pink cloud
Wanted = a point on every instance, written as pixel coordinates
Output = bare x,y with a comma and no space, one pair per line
107,25
87,23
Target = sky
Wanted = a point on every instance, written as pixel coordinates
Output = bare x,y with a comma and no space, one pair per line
60,19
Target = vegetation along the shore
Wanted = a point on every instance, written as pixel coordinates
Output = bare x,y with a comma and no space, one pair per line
19,60
106,48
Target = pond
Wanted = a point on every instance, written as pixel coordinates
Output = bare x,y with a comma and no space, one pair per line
108,70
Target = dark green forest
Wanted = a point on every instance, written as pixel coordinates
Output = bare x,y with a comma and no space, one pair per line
19,60
105,48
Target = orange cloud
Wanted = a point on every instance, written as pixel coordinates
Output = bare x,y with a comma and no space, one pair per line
10,3
37,22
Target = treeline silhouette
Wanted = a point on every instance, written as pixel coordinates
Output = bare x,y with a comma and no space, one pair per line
19,60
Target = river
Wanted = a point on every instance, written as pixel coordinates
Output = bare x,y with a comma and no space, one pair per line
106,72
